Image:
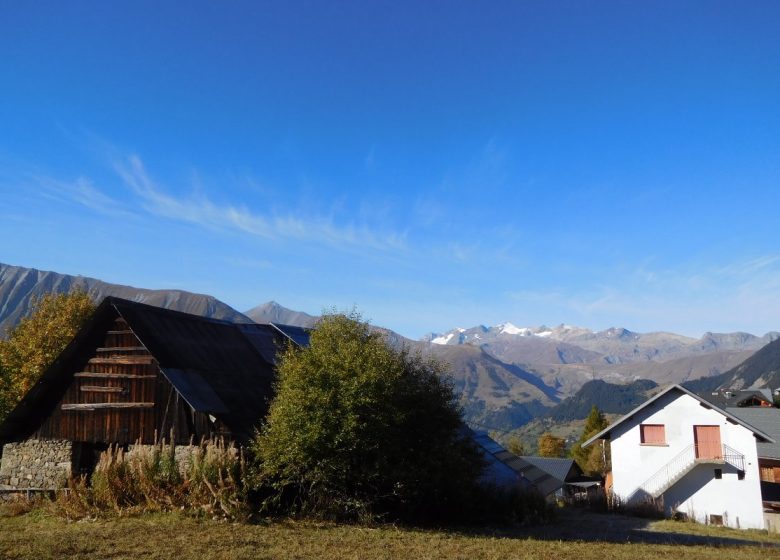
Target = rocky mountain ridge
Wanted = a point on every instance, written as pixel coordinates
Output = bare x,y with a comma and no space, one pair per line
272,312
19,286
568,344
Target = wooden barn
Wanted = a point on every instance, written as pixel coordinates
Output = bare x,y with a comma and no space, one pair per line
136,372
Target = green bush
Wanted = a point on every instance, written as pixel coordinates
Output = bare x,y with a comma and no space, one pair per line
361,430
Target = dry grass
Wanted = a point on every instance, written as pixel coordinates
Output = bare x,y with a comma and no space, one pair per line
38,535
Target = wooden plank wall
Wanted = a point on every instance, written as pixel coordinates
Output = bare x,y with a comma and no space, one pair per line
119,396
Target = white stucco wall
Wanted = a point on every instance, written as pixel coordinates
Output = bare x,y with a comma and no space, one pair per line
699,494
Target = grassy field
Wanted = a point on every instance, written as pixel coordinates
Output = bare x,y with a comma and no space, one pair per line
576,535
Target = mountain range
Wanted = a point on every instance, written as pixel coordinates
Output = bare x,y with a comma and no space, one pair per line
272,312
566,357
504,376
20,286
565,344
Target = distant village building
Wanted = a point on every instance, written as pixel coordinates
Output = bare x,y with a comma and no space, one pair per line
698,456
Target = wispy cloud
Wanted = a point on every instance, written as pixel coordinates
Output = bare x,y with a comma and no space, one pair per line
82,191
749,266
198,209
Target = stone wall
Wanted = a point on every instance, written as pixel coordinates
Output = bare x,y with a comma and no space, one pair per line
36,463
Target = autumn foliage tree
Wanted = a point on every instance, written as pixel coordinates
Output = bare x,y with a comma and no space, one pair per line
515,446
35,342
551,446
359,429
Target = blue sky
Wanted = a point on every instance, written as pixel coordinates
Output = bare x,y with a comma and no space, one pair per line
436,164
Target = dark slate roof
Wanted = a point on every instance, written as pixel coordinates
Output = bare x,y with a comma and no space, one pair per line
220,368
767,420
732,398
605,433
297,335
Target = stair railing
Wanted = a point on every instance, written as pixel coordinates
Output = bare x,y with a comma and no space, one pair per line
734,458
679,464
684,461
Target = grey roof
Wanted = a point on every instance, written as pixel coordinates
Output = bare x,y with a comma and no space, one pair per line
560,469
767,420
731,398
546,474
604,434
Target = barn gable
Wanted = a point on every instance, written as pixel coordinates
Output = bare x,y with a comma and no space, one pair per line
136,371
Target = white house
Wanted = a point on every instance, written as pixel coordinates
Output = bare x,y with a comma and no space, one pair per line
689,455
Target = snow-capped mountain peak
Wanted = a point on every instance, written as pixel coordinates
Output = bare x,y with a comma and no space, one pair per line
509,328
442,339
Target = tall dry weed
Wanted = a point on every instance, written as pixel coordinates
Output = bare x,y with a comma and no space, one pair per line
150,478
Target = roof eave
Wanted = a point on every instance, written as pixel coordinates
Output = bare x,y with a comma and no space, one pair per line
604,434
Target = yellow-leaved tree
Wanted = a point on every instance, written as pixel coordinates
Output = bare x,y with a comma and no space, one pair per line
551,446
35,342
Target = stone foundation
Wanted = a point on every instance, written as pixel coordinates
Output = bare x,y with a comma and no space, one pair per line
39,464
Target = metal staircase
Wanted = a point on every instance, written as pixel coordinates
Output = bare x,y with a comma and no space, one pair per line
683,463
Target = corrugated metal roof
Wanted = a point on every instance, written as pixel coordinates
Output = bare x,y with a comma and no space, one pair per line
194,388
562,469
299,335
767,420
224,358
265,339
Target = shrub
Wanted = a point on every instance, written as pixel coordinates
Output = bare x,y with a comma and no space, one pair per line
361,430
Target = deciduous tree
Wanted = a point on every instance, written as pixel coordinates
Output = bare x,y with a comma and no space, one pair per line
360,428
37,340
551,446
515,446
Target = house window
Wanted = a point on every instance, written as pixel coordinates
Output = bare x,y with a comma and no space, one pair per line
652,434
719,473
